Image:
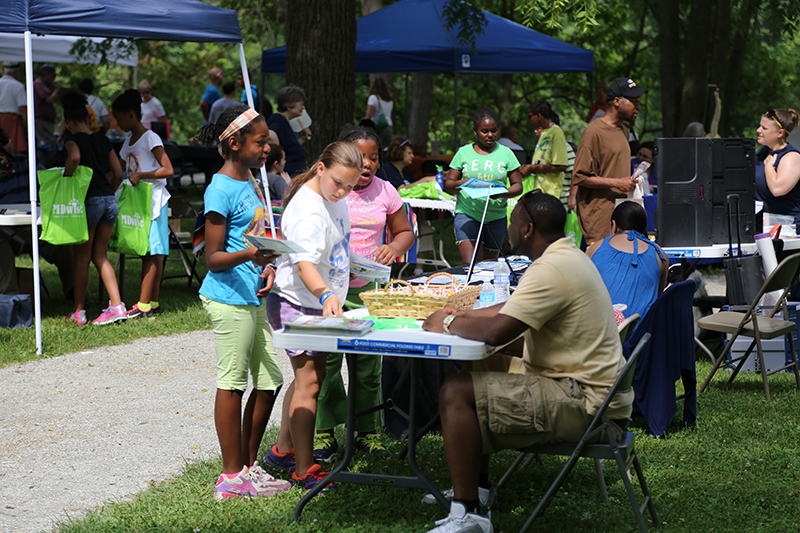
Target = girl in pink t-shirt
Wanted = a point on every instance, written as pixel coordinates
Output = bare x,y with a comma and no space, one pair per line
374,205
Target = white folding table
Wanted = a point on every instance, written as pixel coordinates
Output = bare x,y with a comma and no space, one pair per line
437,205
414,344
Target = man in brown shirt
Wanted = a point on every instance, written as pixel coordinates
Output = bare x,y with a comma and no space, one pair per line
602,164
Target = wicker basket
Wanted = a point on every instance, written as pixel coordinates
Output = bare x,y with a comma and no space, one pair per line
420,302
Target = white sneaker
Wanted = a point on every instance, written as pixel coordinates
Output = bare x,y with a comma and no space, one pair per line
460,521
483,496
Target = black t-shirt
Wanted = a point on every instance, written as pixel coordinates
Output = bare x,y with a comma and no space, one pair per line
295,153
94,150
390,173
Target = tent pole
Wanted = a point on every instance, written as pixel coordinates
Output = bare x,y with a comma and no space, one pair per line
249,93
455,112
37,295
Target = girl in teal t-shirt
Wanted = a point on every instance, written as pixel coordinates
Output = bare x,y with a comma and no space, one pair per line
488,161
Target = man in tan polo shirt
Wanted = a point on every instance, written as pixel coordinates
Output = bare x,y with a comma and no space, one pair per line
602,163
572,357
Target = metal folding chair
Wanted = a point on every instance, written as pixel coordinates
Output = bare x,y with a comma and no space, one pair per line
621,450
751,324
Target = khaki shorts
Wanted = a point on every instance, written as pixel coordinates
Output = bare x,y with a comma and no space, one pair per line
519,410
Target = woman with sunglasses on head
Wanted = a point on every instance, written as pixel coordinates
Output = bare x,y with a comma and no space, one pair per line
399,155
778,164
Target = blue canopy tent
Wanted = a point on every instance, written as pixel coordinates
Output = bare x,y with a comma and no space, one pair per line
412,36
174,20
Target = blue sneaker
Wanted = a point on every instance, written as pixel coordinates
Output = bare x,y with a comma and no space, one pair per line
314,476
278,461
326,449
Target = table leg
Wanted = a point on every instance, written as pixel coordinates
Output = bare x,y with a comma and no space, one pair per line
418,481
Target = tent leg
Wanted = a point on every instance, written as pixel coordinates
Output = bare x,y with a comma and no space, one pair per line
37,291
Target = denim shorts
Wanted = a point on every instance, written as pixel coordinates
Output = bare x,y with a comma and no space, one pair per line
101,210
493,232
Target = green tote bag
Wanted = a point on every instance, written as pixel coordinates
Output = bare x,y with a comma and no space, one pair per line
63,201
132,230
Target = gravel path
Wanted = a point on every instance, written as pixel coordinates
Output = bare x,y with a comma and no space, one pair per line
85,428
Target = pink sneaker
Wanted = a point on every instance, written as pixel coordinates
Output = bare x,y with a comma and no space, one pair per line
79,317
111,314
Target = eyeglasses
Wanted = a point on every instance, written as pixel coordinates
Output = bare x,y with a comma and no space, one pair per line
524,198
770,113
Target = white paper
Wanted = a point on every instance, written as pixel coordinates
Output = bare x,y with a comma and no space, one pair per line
278,246
369,270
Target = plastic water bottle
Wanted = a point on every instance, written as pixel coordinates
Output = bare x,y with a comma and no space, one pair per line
502,282
486,298
440,180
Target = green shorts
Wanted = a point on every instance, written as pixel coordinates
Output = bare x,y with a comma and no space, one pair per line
243,342
519,410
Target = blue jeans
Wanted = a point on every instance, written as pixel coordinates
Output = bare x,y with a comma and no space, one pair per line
493,232
101,210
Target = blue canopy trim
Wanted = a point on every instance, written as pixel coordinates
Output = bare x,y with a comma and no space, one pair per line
160,20
412,36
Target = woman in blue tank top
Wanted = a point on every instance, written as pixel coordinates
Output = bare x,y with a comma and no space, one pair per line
633,268
778,164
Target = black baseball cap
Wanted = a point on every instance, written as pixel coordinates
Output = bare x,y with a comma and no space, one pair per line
624,88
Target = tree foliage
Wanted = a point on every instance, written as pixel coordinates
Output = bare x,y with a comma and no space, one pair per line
674,48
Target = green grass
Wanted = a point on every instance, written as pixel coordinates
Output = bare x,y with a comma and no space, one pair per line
738,471
182,312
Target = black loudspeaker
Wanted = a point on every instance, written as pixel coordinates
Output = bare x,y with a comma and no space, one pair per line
695,176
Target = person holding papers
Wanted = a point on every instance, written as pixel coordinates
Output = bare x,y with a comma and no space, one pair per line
373,206
474,167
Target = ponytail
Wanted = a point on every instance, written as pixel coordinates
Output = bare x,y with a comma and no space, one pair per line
341,153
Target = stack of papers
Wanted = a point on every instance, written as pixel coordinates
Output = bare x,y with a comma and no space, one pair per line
329,325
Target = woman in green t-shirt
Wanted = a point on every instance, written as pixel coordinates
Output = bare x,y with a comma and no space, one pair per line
487,161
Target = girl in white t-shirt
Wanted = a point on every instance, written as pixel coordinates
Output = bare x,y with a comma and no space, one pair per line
316,283
144,158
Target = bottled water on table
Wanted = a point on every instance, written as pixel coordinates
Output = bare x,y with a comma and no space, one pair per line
502,282
486,298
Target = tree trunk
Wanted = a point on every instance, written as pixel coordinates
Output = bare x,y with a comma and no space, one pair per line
420,116
670,69
322,61
506,106
697,55
749,12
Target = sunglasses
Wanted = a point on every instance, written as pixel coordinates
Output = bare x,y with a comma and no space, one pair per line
524,198
770,113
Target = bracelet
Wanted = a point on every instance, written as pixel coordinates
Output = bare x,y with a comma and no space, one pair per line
325,295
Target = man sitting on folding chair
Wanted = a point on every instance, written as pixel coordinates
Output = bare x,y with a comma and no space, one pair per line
571,359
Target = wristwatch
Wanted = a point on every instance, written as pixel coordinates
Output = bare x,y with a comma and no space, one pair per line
446,323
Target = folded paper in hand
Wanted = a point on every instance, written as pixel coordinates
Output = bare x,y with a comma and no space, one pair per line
369,270
276,245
